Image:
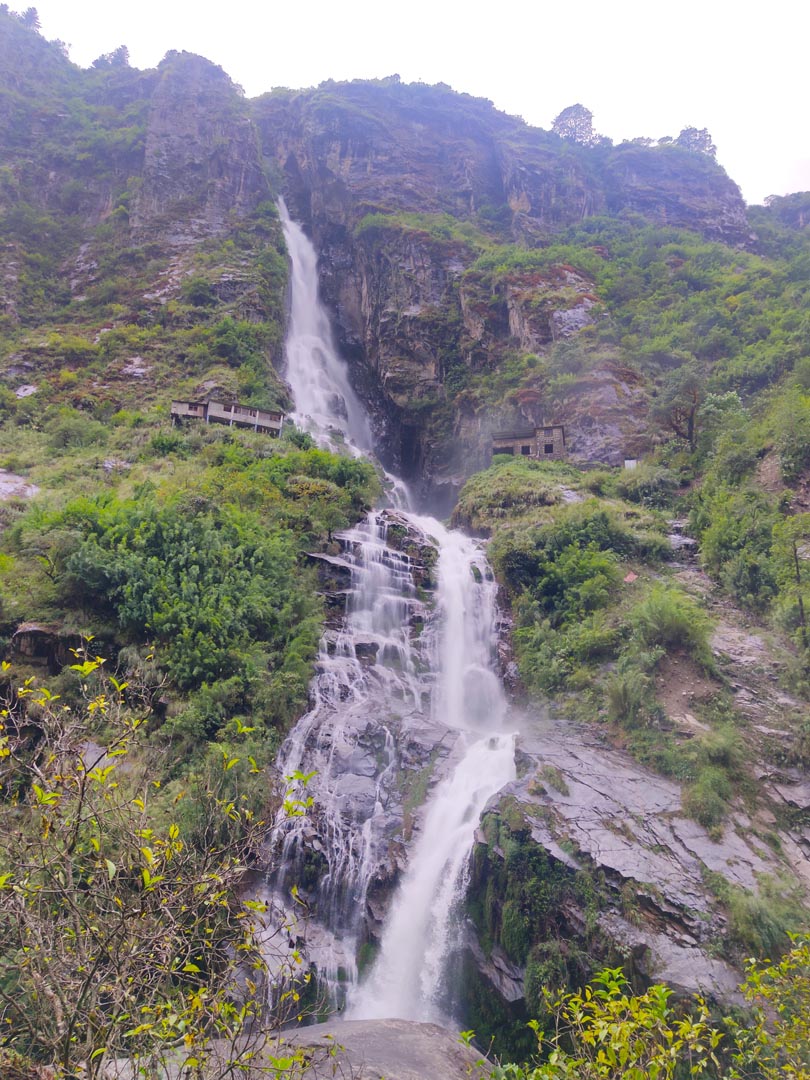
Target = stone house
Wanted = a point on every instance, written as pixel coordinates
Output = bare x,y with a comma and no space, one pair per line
234,415
547,441
43,645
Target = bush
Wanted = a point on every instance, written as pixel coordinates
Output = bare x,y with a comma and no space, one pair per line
628,695
70,428
650,485
735,528
606,1031
514,932
669,618
792,422
707,800
120,934
545,971
164,443
760,923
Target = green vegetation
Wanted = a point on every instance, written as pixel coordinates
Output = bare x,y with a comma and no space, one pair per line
601,646
606,1030
439,227
122,932
519,899
204,572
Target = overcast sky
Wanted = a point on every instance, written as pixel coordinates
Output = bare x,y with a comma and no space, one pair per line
642,67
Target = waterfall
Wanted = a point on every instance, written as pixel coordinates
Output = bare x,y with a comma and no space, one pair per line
325,403
398,674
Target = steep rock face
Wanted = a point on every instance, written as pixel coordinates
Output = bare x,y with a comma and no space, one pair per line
402,187
672,186
589,860
201,154
350,148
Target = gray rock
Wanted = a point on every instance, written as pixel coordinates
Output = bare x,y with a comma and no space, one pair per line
609,814
360,1049
390,1050
15,487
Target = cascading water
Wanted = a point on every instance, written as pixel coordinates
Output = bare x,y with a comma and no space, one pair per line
325,402
397,674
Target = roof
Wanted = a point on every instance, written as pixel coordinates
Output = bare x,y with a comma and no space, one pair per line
527,433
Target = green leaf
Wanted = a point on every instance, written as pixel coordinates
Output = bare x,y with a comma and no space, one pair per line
46,798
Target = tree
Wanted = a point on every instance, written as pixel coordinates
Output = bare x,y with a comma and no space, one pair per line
698,140
118,937
118,58
30,18
774,1042
678,402
576,124
792,552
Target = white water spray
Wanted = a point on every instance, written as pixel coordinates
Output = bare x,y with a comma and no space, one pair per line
445,675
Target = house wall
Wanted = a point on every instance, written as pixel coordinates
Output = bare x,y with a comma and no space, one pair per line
542,442
269,423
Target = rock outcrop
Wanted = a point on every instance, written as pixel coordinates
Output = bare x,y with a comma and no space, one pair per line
389,1050
402,187
201,165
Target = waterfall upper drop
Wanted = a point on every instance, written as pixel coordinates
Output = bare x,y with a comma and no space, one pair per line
319,379
405,703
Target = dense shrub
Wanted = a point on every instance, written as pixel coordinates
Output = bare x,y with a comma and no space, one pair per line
628,697
707,799
669,618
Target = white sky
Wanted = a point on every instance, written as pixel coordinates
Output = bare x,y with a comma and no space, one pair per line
643,67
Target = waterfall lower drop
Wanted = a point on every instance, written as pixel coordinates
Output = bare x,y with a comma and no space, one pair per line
396,670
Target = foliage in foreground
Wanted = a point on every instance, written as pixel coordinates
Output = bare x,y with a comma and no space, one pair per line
605,1032
121,937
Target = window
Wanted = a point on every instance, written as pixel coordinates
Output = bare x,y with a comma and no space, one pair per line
548,433
525,450
549,448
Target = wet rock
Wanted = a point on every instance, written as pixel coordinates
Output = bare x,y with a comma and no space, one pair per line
592,809
498,970
366,651
682,965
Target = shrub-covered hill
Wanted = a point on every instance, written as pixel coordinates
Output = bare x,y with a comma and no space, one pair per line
659,818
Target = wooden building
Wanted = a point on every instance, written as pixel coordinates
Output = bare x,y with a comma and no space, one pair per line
214,412
538,443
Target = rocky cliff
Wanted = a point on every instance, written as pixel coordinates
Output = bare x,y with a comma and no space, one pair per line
437,219
403,188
